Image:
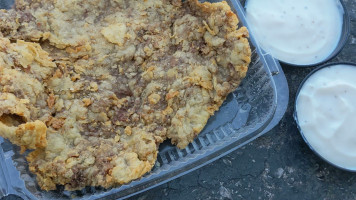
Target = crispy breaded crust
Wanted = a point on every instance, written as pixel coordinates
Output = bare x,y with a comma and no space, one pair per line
95,86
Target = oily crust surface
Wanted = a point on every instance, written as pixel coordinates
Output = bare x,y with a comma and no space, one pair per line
93,87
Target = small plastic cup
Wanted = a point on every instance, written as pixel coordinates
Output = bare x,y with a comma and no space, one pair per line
296,114
345,33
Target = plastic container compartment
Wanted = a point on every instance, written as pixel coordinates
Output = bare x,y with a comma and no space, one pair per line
252,110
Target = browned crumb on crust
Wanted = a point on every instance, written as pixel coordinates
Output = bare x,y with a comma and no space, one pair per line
95,86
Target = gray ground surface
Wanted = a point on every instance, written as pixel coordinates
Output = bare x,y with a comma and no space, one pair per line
278,165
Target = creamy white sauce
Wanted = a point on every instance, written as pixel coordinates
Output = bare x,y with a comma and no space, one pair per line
326,113
299,32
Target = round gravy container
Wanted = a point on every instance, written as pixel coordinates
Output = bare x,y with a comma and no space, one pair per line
284,53
325,113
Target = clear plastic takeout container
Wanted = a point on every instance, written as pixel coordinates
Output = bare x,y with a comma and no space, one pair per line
252,110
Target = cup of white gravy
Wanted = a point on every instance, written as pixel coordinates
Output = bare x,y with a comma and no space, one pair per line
299,32
325,112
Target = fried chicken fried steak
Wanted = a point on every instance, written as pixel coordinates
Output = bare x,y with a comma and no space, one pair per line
93,87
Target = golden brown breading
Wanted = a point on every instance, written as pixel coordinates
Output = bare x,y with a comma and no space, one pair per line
98,85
